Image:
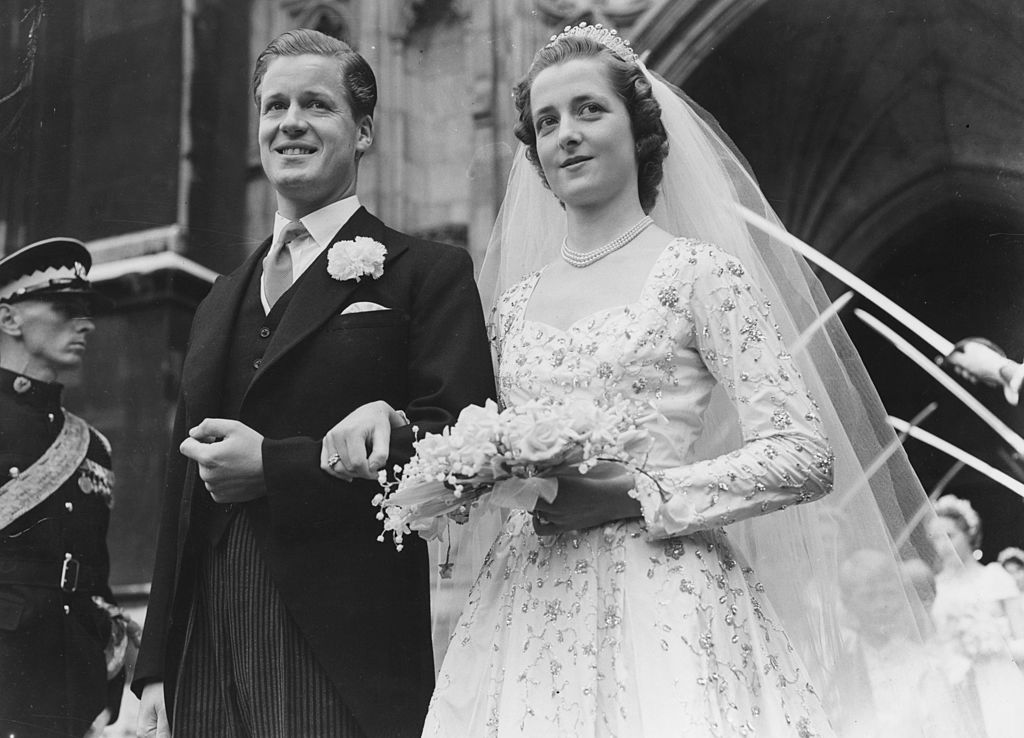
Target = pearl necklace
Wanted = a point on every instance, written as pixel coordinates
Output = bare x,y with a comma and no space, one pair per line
582,259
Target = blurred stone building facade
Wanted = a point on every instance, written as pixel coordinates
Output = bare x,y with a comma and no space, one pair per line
889,137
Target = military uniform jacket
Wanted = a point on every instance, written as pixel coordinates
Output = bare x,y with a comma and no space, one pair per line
53,675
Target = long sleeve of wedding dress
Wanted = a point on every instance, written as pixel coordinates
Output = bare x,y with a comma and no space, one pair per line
784,458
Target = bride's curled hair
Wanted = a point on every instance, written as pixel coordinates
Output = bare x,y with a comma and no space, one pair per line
628,81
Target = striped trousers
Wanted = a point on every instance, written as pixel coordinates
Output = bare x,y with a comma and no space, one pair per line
247,671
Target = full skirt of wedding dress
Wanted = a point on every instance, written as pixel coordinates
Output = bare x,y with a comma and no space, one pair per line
603,633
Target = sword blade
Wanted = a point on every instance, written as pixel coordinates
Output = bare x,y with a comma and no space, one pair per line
826,315
958,453
943,345
1014,440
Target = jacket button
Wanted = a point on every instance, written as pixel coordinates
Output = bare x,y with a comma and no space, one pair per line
69,506
256,364
67,609
264,332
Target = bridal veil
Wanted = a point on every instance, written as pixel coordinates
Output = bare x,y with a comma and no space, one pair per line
877,503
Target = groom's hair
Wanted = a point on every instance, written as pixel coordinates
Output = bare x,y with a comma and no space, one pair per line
356,74
628,81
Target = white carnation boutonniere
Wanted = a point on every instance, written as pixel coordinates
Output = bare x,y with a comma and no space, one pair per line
356,259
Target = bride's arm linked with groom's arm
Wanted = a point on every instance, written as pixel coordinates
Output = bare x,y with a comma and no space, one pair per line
782,459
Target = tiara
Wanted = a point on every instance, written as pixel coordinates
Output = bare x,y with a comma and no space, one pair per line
605,36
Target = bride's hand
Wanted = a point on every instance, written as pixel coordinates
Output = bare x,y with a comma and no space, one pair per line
585,500
358,446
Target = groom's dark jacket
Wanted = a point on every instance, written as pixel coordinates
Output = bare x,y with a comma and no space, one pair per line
362,605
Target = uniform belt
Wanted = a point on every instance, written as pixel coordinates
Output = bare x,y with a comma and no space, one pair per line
69,575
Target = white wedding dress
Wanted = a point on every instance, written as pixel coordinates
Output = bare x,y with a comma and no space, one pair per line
653,628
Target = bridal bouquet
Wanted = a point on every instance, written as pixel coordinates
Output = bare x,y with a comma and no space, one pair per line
509,459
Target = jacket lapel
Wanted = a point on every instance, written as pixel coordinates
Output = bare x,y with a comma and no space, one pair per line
318,296
203,373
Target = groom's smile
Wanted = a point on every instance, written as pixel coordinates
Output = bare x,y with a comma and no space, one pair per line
295,150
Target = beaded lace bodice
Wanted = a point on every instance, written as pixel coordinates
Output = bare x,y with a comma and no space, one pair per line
697,322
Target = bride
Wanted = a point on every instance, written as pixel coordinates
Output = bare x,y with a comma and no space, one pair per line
652,624
701,596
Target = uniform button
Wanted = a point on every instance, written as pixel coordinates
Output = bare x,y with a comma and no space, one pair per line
69,506
50,416
14,472
264,332
256,364
67,609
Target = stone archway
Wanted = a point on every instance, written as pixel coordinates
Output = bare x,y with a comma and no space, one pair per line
893,140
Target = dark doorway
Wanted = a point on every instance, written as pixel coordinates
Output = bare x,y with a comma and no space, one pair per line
957,268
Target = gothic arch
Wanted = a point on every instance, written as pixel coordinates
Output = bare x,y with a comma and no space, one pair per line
839,107
891,140
677,36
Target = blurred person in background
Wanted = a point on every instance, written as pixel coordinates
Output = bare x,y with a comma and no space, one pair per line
1012,559
921,579
904,689
977,613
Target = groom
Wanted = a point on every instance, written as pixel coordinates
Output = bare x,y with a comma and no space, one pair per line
274,611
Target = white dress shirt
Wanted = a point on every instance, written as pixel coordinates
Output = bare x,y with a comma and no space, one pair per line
322,225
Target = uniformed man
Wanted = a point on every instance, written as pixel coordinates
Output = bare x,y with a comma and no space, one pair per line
62,641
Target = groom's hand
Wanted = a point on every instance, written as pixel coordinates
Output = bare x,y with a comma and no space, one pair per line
585,500
230,459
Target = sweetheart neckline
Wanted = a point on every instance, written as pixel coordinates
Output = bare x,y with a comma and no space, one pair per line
625,306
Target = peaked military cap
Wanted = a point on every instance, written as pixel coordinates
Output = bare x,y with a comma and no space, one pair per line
48,269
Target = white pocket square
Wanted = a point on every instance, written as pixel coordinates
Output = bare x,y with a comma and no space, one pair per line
362,307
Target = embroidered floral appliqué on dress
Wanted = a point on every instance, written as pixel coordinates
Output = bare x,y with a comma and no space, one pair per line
651,628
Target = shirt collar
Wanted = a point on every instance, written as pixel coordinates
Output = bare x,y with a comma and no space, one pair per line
322,224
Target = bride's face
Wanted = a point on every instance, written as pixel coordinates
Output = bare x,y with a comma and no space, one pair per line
584,139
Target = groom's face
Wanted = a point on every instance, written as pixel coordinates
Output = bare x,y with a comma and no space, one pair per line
310,141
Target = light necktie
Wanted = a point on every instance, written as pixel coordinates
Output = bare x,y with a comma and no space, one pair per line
277,266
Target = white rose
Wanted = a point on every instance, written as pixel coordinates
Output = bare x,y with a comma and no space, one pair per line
479,424
544,443
582,417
